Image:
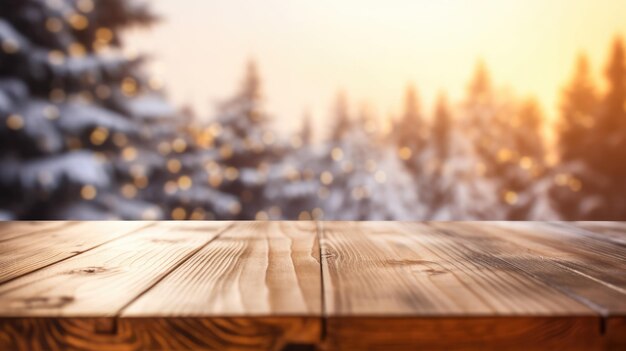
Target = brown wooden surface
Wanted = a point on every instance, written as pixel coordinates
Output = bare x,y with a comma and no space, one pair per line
612,231
297,285
21,254
582,253
10,230
463,333
414,269
157,333
101,281
254,268
551,268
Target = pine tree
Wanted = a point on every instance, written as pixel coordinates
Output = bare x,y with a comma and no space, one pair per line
341,116
441,127
490,155
472,149
576,132
185,184
121,150
610,141
306,132
247,147
579,109
362,177
588,183
527,166
78,115
437,191
293,181
410,131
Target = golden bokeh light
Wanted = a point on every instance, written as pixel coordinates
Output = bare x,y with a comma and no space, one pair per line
326,178
129,86
15,122
88,192
405,153
54,24
337,154
77,21
510,197
174,166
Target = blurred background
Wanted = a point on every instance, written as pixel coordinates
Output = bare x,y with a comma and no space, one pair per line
442,110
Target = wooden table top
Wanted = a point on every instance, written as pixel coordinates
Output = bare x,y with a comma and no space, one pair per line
312,285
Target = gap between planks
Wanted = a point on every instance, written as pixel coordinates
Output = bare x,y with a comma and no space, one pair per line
323,271
72,255
171,270
319,228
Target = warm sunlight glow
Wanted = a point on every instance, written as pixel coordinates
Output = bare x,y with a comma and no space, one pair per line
307,50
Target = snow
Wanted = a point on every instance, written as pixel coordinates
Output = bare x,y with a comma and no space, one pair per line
48,174
76,118
148,107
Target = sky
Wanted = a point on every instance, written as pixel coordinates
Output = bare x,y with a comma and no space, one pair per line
307,51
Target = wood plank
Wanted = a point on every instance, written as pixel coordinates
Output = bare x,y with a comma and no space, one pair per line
254,268
100,282
10,230
26,253
615,333
256,273
257,286
459,333
497,241
395,269
614,232
93,334
408,286
589,256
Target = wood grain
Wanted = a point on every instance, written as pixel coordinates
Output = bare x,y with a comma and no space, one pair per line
470,333
94,334
254,268
396,269
100,282
615,338
451,293
10,230
256,271
585,254
23,254
339,286
614,232
497,241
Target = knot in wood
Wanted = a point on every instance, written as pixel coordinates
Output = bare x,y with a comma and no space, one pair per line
88,270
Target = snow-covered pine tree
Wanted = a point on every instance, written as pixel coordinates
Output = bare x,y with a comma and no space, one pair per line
507,138
477,152
362,177
186,185
609,142
521,175
293,182
122,146
437,193
589,182
580,107
341,118
247,147
77,114
411,132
